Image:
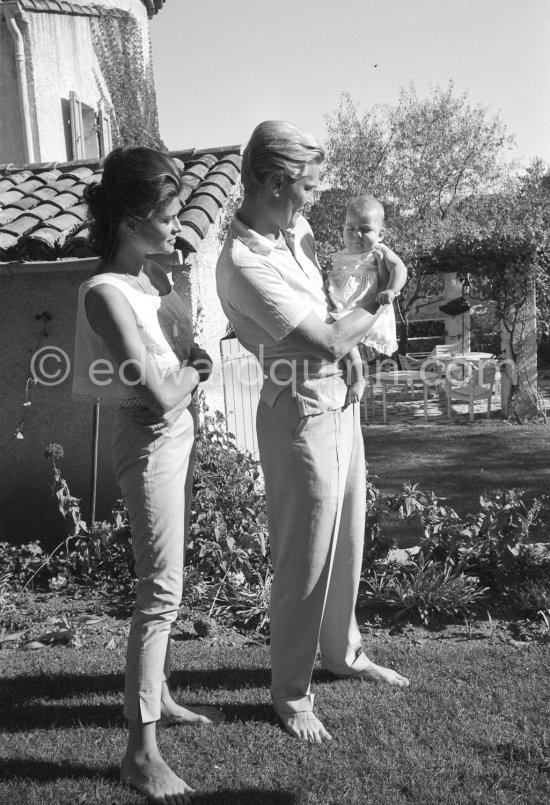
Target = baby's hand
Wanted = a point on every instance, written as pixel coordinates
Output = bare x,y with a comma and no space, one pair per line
355,392
386,297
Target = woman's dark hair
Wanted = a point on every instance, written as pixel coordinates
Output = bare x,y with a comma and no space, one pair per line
136,183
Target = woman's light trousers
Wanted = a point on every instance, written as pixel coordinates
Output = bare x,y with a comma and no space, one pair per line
154,467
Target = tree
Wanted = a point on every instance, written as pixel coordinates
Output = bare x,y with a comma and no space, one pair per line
421,155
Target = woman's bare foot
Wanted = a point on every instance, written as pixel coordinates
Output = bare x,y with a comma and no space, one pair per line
178,715
172,714
305,726
149,774
377,673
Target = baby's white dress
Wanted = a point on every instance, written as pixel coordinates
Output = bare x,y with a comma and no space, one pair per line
352,281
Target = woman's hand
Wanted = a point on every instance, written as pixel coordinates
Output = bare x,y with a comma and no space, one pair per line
201,361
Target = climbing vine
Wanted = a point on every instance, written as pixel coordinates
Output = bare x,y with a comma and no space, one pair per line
132,105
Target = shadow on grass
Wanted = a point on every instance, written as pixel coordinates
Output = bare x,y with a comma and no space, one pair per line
245,796
42,771
58,686
22,712
46,771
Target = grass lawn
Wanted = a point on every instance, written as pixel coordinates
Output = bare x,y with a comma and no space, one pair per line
473,728
460,462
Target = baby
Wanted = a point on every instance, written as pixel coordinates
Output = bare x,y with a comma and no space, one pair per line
366,274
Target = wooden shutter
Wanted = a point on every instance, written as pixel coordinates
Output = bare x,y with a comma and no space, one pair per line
77,126
105,135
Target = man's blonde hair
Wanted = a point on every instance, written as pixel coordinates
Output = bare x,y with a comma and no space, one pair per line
278,146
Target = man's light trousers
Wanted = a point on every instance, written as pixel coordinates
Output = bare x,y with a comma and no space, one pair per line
314,470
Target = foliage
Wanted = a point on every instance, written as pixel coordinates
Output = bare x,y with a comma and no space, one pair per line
421,155
532,596
128,74
227,556
227,546
461,562
428,588
452,203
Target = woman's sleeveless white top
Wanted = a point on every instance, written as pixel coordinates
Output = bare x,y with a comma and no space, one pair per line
166,332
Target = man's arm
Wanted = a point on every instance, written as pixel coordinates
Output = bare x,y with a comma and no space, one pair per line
331,341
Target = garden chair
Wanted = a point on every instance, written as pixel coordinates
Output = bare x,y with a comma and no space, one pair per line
479,386
446,352
447,349
387,374
431,373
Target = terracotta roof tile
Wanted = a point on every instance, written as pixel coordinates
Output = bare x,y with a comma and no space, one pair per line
20,226
67,7
218,182
25,202
30,185
153,6
7,215
43,216
45,211
45,192
65,183
7,242
195,228
204,202
10,197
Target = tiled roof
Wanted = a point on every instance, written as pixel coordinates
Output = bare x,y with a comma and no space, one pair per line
82,9
43,217
153,6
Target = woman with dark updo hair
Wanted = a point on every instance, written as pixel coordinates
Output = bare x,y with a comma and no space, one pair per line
134,348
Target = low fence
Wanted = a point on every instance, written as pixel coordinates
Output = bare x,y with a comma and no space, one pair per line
242,381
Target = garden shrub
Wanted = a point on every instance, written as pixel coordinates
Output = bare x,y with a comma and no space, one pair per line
427,588
464,562
461,562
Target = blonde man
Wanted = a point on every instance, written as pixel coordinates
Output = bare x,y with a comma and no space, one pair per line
311,446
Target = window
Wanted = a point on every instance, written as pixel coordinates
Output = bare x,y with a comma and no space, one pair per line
90,130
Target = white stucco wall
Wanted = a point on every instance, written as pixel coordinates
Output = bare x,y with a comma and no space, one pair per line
197,284
60,59
63,60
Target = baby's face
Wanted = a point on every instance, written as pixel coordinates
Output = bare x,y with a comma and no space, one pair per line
362,231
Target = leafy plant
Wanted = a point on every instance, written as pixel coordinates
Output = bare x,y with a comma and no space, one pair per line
228,543
532,597
426,588
128,74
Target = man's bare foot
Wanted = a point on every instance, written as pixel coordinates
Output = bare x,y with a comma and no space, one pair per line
175,714
377,673
149,774
305,726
